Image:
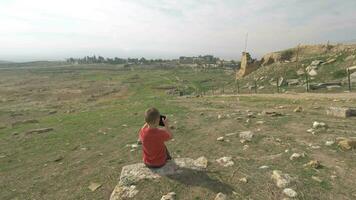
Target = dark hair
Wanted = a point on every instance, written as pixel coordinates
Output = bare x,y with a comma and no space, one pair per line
151,115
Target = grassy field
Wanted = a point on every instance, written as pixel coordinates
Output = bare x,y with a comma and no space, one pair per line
96,110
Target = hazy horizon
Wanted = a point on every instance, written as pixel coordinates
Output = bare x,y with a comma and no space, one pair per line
55,30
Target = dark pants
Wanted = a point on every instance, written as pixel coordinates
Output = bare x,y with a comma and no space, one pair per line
168,157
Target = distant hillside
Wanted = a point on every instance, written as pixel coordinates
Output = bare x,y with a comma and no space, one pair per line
323,63
3,62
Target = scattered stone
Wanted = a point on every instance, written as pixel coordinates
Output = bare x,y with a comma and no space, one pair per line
350,57
243,180
230,134
347,144
311,130
281,180
316,62
300,72
220,116
40,130
317,179
295,156
225,161
329,143
220,139
134,146
169,196
124,125
246,135
313,72
343,112
290,192
264,167
94,186
292,82
313,164
298,109
260,122
220,196
317,125
329,61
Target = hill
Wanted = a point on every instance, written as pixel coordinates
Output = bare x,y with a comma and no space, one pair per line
322,63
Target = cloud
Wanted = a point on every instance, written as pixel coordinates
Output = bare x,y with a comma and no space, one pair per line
168,28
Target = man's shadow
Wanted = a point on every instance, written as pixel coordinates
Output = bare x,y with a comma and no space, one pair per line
191,177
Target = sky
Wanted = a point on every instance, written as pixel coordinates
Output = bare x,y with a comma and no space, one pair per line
58,29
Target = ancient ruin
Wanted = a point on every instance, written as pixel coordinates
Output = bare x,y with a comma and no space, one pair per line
248,65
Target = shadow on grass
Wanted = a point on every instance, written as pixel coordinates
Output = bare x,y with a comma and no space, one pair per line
190,177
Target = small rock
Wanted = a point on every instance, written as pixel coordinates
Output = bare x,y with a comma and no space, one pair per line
169,196
220,116
296,156
225,161
264,167
230,134
134,146
124,125
246,135
317,179
317,125
298,109
347,144
329,143
314,164
290,192
260,122
220,196
220,139
281,180
94,186
52,112
243,180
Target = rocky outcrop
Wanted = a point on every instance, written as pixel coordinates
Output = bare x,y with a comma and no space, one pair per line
132,174
248,65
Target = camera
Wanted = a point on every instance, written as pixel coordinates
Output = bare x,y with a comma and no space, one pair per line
161,118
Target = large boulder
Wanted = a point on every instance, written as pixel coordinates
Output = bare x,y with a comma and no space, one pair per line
341,112
132,174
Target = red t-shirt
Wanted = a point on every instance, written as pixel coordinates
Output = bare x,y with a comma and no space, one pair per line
153,148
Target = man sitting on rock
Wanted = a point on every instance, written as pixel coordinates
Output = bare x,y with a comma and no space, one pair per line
155,153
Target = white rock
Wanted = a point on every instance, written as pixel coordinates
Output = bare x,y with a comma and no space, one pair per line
296,156
246,135
230,134
225,161
264,167
329,143
134,146
290,192
220,116
317,125
169,196
313,72
220,196
220,139
281,180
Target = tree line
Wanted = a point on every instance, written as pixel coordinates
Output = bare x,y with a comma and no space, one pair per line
99,59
